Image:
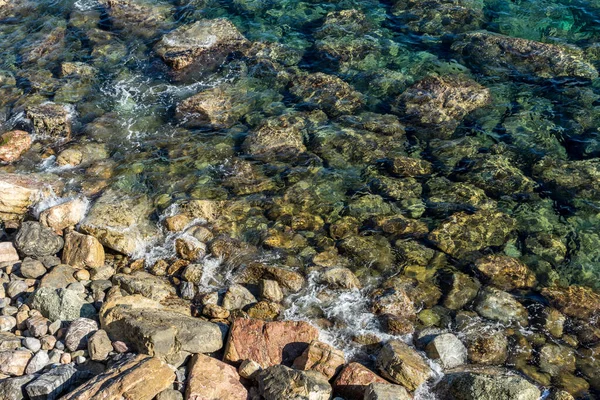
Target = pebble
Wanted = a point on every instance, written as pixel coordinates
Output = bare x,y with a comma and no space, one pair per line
37,326
120,347
76,287
32,344
48,342
54,327
4,302
10,310
80,360
65,358
7,323
82,275
59,345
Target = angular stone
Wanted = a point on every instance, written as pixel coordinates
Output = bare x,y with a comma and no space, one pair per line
501,306
448,349
59,277
459,289
141,282
13,145
237,297
36,240
14,362
270,290
140,377
437,104
322,358
52,384
64,215
77,335
50,120
213,379
386,391
37,362
279,382
190,248
403,365
16,288
354,379
291,280
8,253
82,251
99,345
555,358
200,42
32,269
149,328
249,369
9,341
496,54
268,343
339,278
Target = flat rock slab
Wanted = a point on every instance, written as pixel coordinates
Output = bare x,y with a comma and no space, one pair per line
210,378
140,378
268,343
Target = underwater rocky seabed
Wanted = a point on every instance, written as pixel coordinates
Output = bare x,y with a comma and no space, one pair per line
419,180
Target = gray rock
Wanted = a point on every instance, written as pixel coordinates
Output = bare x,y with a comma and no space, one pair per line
32,344
187,290
386,391
14,388
32,269
37,362
16,288
282,383
56,382
500,306
99,346
237,297
448,349
36,240
489,384
60,304
59,277
76,337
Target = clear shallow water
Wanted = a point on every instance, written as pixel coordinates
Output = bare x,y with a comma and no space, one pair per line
530,153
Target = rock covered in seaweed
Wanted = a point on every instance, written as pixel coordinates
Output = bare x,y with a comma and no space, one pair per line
436,17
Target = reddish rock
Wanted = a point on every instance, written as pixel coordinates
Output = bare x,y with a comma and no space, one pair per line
321,357
13,144
210,378
268,343
354,379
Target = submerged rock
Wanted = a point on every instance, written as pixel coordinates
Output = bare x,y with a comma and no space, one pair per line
437,105
496,54
501,306
437,17
505,272
51,121
574,301
140,17
328,93
200,43
278,138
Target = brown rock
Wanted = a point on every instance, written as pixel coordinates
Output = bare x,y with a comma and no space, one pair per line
354,379
64,215
177,223
321,357
139,378
402,364
268,343
210,378
190,248
82,251
505,272
50,120
574,301
8,253
14,362
13,145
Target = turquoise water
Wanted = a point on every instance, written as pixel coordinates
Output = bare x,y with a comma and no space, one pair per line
527,149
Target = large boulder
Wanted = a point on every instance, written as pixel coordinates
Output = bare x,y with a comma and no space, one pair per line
150,328
496,54
120,222
403,365
213,379
140,377
204,41
36,240
279,382
438,17
464,233
13,145
437,104
487,384
268,343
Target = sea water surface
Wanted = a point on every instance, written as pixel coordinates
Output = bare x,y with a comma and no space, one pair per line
343,196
